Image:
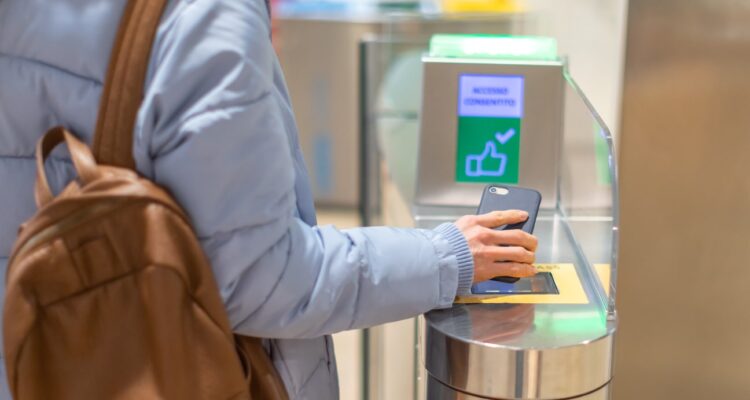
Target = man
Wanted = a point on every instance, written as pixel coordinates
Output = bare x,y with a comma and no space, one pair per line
216,129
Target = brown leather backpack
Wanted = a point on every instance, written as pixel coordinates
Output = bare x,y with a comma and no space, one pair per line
109,294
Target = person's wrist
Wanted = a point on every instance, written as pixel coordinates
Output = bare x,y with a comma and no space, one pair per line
462,252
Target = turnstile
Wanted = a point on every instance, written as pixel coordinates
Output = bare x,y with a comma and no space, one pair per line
505,110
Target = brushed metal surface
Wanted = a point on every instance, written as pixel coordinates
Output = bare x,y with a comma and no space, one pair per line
525,351
438,391
685,180
486,350
541,129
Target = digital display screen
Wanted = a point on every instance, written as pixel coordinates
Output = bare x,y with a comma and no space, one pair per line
490,110
541,283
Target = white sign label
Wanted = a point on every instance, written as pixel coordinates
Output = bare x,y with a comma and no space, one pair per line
490,96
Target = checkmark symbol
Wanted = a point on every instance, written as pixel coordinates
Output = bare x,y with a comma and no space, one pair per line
505,137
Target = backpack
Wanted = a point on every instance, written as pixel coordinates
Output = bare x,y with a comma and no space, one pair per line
108,292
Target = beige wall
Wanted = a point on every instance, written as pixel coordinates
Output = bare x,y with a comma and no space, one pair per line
684,279
590,35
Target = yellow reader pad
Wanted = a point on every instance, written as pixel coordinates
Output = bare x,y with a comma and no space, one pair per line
566,278
603,271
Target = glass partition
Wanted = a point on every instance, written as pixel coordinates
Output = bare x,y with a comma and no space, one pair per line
390,94
588,200
390,98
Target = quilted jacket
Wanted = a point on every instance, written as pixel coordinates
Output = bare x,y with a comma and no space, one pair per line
216,128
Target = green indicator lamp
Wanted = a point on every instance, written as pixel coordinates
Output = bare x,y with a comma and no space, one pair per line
572,323
499,47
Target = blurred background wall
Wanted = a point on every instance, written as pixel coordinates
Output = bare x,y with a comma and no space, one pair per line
591,36
684,281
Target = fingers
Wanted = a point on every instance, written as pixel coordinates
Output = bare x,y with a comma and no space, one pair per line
513,237
516,270
500,218
488,270
504,254
499,253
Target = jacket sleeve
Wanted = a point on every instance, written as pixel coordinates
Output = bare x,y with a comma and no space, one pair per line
212,131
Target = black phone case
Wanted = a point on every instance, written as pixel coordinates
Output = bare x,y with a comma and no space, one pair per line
516,198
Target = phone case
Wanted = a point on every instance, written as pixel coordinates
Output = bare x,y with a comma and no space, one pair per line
500,197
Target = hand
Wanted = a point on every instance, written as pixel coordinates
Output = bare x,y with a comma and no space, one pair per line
499,253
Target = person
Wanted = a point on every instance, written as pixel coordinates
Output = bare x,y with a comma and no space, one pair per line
216,128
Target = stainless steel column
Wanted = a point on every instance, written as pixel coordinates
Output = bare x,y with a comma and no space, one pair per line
442,392
496,351
685,173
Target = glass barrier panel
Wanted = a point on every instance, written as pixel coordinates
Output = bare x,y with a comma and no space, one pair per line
588,191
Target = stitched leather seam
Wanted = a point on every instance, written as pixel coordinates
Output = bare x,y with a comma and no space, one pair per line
37,320
126,204
126,275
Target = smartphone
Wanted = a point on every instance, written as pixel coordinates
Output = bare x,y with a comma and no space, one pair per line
499,198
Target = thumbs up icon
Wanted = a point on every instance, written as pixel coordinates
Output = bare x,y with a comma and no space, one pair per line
476,163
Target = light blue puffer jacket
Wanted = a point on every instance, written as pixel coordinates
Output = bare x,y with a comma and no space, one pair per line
216,128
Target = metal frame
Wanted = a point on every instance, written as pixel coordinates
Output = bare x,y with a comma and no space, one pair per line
540,129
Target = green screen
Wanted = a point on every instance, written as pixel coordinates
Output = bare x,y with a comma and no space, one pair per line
496,162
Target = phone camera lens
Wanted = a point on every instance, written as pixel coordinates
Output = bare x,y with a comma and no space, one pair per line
493,190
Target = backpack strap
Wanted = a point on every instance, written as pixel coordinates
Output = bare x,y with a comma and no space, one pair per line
124,86
80,154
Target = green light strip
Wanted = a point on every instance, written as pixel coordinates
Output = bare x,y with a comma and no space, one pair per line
498,47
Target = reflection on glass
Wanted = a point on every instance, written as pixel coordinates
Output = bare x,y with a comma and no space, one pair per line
588,192
541,283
